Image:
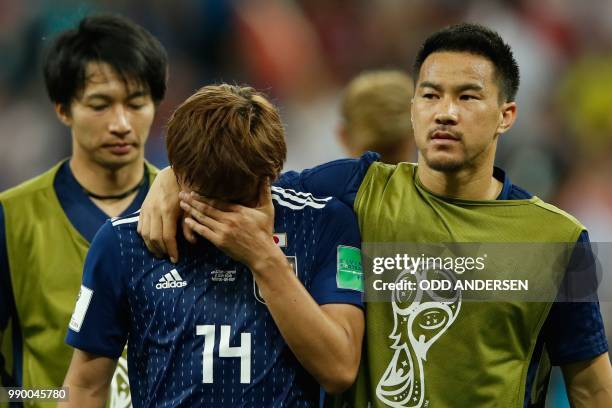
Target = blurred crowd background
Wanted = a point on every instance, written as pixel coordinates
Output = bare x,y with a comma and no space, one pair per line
303,52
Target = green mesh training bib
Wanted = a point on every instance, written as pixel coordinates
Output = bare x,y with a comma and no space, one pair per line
423,352
46,256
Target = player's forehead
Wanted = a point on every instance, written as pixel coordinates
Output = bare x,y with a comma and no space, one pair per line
450,69
101,79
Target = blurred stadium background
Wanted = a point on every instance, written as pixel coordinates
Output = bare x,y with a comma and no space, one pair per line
302,53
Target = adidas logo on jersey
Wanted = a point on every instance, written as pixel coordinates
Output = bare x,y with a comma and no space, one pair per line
171,280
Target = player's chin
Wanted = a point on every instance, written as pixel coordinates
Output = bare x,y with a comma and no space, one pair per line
445,161
115,161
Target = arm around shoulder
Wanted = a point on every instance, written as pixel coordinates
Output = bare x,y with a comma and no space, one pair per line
339,178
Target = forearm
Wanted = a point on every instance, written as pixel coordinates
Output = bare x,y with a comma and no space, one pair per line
589,383
323,346
591,398
88,380
84,396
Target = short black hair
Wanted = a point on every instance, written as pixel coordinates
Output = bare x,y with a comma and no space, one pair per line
479,40
133,52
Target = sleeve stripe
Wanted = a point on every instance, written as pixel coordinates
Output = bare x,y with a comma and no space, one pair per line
293,206
125,221
298,196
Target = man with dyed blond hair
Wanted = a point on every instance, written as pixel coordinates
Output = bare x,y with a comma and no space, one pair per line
376,116
215,329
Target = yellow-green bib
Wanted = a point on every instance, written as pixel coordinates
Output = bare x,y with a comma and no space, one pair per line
46,256
480,357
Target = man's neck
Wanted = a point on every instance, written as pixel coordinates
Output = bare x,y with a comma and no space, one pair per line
466,184
104,181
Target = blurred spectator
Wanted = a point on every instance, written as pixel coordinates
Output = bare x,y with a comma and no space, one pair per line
585,101
283,56
376,116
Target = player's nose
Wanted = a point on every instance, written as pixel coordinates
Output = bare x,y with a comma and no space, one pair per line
448,113
120,123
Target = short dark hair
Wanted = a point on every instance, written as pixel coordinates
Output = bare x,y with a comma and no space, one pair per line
479,40
133,52
225,141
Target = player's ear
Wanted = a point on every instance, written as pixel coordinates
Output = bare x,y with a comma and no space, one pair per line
507,117
63,114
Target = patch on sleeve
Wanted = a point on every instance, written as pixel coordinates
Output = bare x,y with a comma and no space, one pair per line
349,273
82,303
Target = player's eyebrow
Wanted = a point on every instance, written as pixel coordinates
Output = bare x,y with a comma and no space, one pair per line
98,96
137,94
106,97
470,86
429,84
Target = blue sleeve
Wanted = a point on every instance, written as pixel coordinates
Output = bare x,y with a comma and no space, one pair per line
100,321
574,329
336,278
339,178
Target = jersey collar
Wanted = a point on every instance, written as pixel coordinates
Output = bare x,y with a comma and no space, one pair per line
501,176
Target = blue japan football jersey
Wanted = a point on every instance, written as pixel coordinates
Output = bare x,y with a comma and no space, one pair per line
198,332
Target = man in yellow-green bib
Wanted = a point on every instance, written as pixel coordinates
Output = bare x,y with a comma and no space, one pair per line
424,348
105,78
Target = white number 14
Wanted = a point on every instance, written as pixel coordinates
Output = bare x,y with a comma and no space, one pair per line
225,350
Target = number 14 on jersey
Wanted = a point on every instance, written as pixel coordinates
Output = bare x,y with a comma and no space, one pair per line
243,351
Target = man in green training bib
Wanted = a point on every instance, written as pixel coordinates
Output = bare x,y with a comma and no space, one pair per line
105,79
429,348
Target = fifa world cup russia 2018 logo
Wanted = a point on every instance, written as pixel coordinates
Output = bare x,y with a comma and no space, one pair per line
120,386
420,318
